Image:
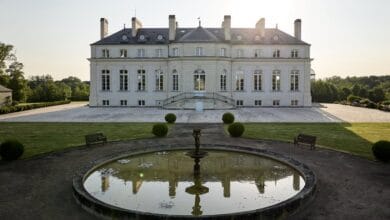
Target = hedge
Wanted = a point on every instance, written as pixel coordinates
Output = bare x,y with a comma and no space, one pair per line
19,108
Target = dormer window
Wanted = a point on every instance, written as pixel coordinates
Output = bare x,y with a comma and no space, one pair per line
199,51
159,37
124,38
294,54
105,53
276,38
123,53
276,53
142,37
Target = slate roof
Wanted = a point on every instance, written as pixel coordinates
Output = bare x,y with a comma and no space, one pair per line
4,89
201,35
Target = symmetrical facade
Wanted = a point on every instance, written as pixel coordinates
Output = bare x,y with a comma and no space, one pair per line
172,67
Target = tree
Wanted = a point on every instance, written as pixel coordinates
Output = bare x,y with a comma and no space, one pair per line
5,55
17,82
355,90
376,95
363,92
345,92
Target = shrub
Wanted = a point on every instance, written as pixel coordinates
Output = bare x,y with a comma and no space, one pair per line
18,108
160,129
381,150
11,149
353,98
228,118
236,129
170,118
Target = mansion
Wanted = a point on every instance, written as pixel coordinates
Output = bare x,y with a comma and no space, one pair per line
200,68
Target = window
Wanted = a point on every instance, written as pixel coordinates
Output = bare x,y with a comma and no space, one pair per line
240,81
199,80
257,80
258,103
240,53
223,52
276,102
294,80
106,102
141,52
257,53
123,80
159,53
175,81
123,53
276,53
123,102
142,37
105,53
106,80
199,51
159,80
239,102
141,102
223,81
294,102
175,52
294,53
276,80
141,76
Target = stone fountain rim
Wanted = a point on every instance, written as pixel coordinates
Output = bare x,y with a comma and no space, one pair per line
104,210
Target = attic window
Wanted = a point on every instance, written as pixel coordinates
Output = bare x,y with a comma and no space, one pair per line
257,38
276,38
142,37
239,37
159,37
124,37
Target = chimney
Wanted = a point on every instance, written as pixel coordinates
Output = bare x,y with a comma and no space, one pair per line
172,27
297,28
227,26
260,27
135,25
103,28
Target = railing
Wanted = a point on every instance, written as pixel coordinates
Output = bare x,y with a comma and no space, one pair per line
194,95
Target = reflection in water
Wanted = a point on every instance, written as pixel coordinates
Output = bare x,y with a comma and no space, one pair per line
227,182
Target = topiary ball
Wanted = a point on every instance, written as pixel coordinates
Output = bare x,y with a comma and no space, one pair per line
170,118
236,129
11,150
160,129
381,150
228,118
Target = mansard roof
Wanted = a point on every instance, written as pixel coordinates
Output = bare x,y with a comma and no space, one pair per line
4,89
272,36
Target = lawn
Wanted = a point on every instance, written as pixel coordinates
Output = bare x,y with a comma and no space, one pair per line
41,138
354,138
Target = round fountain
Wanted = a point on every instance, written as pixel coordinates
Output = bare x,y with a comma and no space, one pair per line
176,182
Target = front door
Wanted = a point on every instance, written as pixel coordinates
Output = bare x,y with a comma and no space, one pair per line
199,80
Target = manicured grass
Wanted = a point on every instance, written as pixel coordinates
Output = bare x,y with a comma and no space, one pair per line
355,138
41,138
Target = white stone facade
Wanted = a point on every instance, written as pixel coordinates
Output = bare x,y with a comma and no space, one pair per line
231,58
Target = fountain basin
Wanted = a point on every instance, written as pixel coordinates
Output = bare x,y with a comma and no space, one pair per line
234,181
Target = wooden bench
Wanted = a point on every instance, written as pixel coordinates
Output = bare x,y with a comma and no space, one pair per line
306,139
95,138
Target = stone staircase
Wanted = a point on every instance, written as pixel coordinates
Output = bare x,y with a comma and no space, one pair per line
198,101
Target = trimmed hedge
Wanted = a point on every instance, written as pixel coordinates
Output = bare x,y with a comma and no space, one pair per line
19,108
160,129
170,118
228,118
11,150
381,150
236,129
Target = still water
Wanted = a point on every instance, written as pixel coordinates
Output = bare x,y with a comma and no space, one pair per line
164,183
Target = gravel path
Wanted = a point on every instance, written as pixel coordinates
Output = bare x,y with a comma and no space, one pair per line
348,187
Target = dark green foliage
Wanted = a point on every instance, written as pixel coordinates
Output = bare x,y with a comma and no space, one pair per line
323,91
11,150
376,95
353,98
170,118
236,129
18,108
381,150
160,129
355,90
228,118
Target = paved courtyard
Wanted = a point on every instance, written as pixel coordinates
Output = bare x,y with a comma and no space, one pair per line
80,112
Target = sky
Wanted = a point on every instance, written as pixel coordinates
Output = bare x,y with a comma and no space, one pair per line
347,37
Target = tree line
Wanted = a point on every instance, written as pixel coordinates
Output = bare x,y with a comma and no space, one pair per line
37,88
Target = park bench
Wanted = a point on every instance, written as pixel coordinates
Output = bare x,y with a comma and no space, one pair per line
95,138
306,139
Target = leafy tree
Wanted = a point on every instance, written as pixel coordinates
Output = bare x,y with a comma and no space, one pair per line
17,82
355,90
5,55
363,92
376,95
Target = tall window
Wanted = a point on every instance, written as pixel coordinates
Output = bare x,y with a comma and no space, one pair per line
223,80
106,102
175,81
257,53
223,52
141,52
240,53
175,52
106,80
199,80
240,81
123,53
159,80
276,53
257,80
276,80
294,53
123,80
159,53
239,102
141,76
105,53
258,103
294,80
199,51
123,102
